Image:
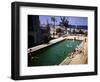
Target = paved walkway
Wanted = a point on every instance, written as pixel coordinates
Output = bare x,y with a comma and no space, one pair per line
45,45
79,58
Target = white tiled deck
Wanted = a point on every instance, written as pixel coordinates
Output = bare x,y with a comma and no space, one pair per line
45,45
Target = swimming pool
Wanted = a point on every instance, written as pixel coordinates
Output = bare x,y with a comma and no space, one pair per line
54,54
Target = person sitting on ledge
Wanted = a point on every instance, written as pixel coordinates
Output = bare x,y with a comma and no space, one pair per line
30,52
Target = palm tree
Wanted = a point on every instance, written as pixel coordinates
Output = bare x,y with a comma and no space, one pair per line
54,20
64,22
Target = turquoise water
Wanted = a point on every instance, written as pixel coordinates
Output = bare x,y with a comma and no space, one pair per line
53,55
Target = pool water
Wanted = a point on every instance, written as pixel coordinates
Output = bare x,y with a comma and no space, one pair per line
54,54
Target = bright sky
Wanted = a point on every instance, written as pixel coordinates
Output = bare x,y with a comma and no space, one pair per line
72,20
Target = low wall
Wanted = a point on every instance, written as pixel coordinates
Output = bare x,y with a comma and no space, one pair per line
45,45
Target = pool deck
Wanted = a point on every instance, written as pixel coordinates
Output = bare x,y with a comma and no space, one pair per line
77,58
45,45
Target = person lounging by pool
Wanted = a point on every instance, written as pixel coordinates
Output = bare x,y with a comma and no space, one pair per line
30,52
75,52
